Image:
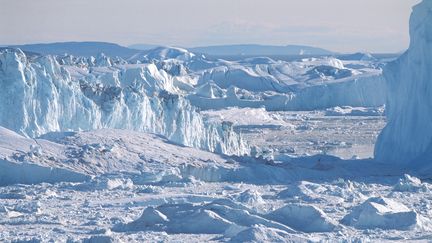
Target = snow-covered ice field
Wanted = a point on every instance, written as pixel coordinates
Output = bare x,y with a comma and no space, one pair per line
168,145
120,192
343,132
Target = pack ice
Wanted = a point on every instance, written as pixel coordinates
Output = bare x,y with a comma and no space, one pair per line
128,186
156,147
300,84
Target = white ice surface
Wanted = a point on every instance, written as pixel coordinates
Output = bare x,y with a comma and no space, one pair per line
406,140
40,95
93,168
128,186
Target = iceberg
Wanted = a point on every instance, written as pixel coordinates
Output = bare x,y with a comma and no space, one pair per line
407,138
383,213
39,95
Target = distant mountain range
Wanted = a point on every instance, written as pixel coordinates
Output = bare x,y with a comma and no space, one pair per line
250,50
260,50
144,47
85,49
94,48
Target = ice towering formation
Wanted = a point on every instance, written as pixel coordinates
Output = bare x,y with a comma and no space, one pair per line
407,138
38,95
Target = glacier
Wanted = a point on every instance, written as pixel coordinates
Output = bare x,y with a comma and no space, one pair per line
407,138
40,95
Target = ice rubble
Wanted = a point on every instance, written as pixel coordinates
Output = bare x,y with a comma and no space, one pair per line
304,218
19,162
365,91
410,184
284,86
407,138
355,111
259,233
82,155
79,156
227,218
141,185
39,95
306,84
381,213
13,173
163,53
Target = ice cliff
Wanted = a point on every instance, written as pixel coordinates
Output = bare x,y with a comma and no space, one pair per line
407,138
39,95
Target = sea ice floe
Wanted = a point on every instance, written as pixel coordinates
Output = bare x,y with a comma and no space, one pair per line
409,184
383,213
302,217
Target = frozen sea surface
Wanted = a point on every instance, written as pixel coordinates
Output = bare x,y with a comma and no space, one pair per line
123,186
348,132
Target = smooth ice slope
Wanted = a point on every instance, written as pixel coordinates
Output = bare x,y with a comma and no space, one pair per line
407,138
39,95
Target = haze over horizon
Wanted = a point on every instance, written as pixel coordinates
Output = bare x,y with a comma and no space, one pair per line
336,25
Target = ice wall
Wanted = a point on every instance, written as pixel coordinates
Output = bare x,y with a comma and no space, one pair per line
366,91
38,95
407,138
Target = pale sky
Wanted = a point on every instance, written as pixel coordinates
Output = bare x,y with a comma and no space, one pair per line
337,25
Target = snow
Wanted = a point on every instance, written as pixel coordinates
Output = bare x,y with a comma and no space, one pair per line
99,239
299,84
355,111
136,186
182,218
406,140
249,87
304,218
12,173
102,159
409,184
381,213
173,146
300,133
245,117
101,151
210,90
259,233
163,53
